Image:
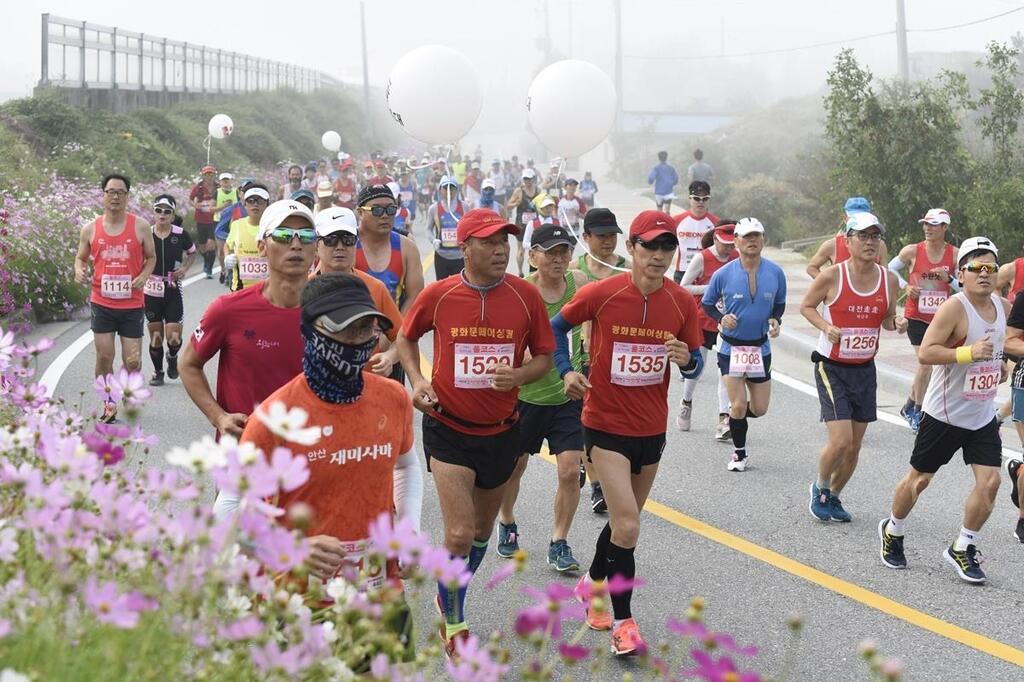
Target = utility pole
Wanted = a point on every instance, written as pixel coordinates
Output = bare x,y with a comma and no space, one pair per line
902,59
618,65
366,73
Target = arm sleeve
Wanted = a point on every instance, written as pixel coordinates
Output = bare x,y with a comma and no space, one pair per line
563,359
527,237
541,341
408,483
895,266
693,271
779,309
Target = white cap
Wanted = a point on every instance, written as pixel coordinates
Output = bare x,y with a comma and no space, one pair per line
277,212
226,176
324,189
858,222
748,226
257,192
474,165
975,244
936,216
529,173
487,183
335,219
396,191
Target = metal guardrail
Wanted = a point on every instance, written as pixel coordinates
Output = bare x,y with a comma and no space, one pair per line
80,54
806,241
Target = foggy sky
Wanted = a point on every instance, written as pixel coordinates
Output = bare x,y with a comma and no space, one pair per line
661,39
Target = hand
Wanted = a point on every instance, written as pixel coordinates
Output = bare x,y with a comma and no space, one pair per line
1004,372
325,556
678,352
912,291
941,272
139,282
833,333
82,276
230,424
503,377
575,385
729,321
981,349
423,397
901,325
382,363
179,274
774,327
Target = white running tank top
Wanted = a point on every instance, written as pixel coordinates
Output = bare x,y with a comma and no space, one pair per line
964,395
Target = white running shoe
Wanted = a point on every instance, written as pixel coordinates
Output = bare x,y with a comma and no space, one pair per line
737,464
722,431
683,418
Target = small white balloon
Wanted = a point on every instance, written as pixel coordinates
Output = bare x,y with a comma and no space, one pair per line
571,107
220,126
331,140
434,93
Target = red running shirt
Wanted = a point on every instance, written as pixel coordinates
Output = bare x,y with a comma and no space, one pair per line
629,370
116,262
471,332
934,287
1018,279
859,315
711,265
260,346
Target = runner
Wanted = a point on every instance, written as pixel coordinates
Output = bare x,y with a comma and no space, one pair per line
551,184
324,196
309,179
720,249
522,202
858,298
345,188
664,178
407,195
588,188
1011,282
488,320
255,330
248,265
498,183
833,251
227,196
546,207
1015,346
699,170
345,493
489,200
165,307
691,226
294,183
932,278
640,323
571,207
306,198
545,412
752,292
403,218
203,198
382,252
964,344
443,217
223,229
120,246
471,188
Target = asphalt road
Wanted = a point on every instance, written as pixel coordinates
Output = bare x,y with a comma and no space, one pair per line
745,542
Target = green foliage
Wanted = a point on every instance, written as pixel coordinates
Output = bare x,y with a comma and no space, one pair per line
1002,105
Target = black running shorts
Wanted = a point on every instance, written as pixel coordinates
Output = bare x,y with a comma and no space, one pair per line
493,458
937,442
847,391
127,323
641,451
169,308
559,425
915,331
204,233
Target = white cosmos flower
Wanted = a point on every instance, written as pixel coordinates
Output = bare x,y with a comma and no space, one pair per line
289,424
12,675
201,456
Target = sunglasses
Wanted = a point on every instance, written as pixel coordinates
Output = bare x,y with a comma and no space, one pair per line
700,199
657,244
285,235
255,200
380,211
163,211
345,238
987,268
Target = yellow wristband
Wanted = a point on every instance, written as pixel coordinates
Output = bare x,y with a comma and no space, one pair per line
964,356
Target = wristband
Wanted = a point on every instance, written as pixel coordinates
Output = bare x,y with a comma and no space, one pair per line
964,355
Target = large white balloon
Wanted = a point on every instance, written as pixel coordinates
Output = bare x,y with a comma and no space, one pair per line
434,94
220,126
331,141
571,107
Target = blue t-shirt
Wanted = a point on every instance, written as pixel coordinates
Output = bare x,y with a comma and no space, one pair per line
664,178
729,285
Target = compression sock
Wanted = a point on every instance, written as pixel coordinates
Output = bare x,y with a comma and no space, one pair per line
723,396
621,563
476,554
599,566
452,600
173,348
689,388
156,354
208,258
738,427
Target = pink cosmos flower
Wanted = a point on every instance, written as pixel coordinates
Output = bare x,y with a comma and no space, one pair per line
244,628
112,607
572,652
29,396
395,540
501,575
132,386
474,663
717,670
554,604
291,471
280,549
270,656
710,640
442,567
107,388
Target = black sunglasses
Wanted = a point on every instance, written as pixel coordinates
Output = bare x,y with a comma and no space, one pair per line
657,244
380,211
255,200
346,239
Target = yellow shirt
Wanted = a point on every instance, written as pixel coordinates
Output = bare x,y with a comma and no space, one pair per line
242,242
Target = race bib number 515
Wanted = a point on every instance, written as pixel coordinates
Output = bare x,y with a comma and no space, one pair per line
473,362
638,364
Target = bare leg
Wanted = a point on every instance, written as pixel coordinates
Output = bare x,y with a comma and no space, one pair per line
131,354
567,496
506,513
848,463
907,492
921,377
983,496
105,351
455,492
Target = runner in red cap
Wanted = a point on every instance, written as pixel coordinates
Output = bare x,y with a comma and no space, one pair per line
484,321
203,197
640,322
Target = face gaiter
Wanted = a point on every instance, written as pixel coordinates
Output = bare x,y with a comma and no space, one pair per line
334,370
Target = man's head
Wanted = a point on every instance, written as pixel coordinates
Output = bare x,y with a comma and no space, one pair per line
601,233
662,157
377,209
700,198
570,186
163,208
652,243
287,238
529,177
325,193
310,170
935,223
257,198
864,236
336,231
698,154
749,237
304,197
208,174
977,265
483,239
551,250
339,306
226,180
294,174
115,188
321,166
546,205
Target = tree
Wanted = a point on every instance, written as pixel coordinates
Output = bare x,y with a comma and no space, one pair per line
1001,105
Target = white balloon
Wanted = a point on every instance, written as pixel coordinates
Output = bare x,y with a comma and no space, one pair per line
571,107
331,141
220,126
434,93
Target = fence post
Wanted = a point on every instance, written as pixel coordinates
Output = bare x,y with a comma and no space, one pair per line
184,68
44,76
202,69
163,65
81,56
113,58
142,59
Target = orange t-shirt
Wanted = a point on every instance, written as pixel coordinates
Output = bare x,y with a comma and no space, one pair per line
351,467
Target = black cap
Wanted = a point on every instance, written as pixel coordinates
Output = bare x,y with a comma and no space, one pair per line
600,221
345,301
549,236
370,192
699,188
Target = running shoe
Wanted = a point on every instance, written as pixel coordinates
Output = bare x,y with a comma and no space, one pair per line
722,431
157,380
836,511
560,556
1018,532
737,463
508,540
819,506
109,413
209,275
967,563
1013,469
891,546
172,366
597,619
626,639
221,277
597,503
685,413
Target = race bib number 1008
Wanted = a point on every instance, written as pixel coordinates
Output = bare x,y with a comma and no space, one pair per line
746,361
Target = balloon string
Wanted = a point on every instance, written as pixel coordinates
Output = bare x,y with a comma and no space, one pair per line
572,228
206,144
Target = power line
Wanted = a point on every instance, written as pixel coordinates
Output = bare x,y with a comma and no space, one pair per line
969,23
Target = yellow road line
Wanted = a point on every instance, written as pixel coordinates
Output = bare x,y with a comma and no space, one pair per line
845,588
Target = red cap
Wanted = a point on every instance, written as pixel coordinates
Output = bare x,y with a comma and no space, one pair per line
651,224
207,169
347,163
482,223
379,164
368,163
726,234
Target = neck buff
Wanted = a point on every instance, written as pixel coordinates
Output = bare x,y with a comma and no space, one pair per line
334,370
